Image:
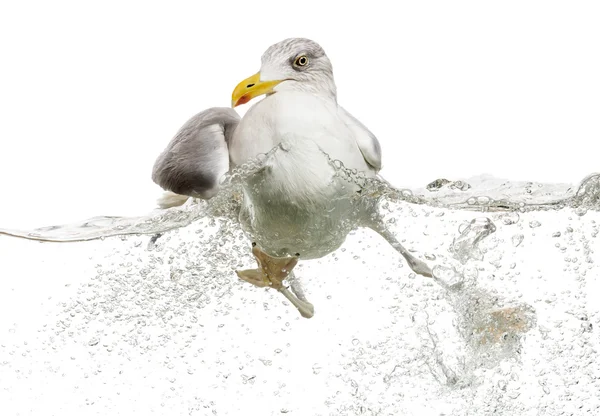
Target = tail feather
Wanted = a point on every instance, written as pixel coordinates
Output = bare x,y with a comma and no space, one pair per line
170,199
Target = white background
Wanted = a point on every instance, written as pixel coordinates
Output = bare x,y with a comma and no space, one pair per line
91,93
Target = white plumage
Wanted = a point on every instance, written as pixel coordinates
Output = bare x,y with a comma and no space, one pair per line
287,212
296,203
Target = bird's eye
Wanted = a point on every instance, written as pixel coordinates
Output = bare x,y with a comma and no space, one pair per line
302,60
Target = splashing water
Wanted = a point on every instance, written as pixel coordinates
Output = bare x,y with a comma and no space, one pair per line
465,247
159,323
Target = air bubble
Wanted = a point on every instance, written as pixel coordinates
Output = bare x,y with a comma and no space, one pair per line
517,239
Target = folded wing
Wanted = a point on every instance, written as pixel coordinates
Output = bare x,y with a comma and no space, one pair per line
198,156
366,141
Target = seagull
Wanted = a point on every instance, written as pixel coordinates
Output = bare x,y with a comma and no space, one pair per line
296,206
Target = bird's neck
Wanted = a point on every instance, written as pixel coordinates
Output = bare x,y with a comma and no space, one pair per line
280,114
322,89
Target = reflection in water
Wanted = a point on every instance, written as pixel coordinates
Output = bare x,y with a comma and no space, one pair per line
161,323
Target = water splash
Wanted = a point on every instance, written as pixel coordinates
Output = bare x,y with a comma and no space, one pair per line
507,325
486,194
466,246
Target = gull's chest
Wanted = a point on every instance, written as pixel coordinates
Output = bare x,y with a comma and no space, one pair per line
301,120
297,172
308,136
296,201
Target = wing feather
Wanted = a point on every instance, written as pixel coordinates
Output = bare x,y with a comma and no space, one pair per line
198,155
366,141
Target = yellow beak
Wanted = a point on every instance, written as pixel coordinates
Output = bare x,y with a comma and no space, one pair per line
251,88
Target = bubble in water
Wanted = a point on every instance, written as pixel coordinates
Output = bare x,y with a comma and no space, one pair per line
483,200
517,239
437,185
440,183
460,185
510,218
534,224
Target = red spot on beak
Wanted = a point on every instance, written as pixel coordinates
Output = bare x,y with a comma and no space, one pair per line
243,99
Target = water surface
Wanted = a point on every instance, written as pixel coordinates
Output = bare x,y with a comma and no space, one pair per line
148,317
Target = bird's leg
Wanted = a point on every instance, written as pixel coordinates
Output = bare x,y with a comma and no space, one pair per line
418,266
295,286
299,300
306,309
271,272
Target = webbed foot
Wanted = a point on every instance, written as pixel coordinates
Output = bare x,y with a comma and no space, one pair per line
271,272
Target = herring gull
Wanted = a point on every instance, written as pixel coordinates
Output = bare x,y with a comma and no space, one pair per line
296,207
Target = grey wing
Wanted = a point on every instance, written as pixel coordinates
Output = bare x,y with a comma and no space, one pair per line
366,141
198,156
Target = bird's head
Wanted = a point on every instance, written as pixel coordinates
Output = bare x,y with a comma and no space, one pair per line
293,64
